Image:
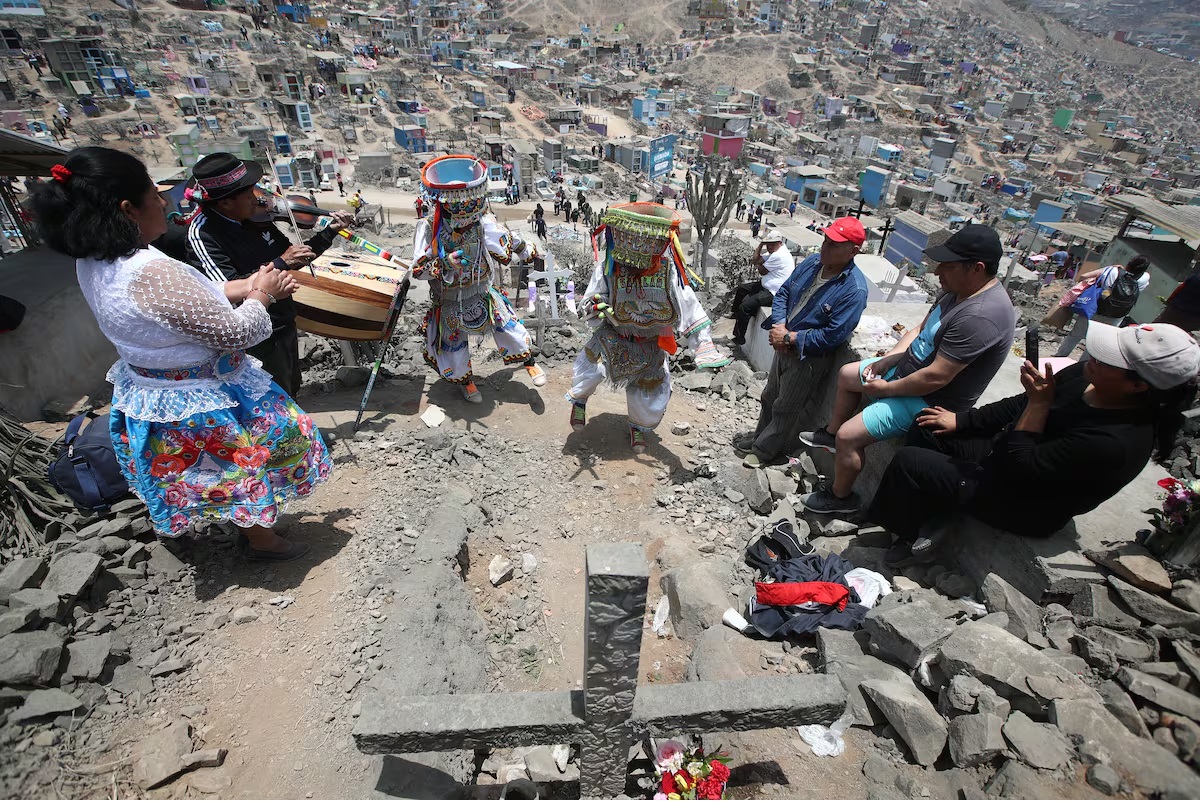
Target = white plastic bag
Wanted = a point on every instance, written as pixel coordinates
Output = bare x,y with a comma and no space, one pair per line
661,614
870,585
874,334
826,742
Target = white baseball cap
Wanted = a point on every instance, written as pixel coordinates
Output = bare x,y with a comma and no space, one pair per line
1161,354
772,237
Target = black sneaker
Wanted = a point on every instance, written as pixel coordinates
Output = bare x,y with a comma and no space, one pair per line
819,439
824,501
931,538
898,555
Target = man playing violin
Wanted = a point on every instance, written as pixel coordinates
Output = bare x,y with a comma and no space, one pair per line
226,242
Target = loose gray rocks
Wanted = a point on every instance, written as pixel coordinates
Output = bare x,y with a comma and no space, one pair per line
1037,744
29,658
908,632
43,703
72,573
500,569
912,716
1024,616
161,755
975,739
89,657
20,573
697,598
1104,779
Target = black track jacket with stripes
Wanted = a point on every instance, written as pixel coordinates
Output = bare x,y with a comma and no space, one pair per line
223,249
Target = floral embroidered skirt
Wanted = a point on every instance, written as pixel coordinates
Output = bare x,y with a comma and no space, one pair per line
238,464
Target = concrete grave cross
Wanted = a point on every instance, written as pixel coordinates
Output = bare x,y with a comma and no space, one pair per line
612,711
893,281
551,275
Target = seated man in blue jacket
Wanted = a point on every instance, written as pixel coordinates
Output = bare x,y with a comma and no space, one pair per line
813,313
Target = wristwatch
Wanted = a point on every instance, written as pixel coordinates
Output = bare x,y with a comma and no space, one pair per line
788,339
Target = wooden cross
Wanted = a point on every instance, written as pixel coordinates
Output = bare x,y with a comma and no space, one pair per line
612,711
551,275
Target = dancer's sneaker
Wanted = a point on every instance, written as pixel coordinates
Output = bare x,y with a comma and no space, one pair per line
471,393
708,356
536,374
578,416
637,440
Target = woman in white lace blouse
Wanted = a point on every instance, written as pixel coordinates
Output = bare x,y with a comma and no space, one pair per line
200,430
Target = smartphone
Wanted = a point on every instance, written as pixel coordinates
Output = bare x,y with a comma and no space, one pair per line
1031,348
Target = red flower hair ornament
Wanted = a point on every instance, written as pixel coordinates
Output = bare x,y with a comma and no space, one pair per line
60,173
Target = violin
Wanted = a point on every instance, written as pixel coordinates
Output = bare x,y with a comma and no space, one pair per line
275,207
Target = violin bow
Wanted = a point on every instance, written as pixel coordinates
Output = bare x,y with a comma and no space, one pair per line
287,204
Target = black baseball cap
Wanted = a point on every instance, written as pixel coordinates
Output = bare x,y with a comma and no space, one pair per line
972,243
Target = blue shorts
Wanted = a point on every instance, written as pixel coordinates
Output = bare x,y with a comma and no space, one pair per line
891,416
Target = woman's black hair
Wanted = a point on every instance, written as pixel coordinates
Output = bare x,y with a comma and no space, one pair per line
1138,265
1168,406
80,215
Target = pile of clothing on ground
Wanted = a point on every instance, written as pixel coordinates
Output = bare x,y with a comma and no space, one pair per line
801,591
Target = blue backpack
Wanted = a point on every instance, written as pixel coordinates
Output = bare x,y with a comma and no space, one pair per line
86,468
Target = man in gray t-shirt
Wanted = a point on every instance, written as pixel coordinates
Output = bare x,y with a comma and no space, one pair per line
977,333
947,362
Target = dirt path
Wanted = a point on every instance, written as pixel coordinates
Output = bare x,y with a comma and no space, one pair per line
280,691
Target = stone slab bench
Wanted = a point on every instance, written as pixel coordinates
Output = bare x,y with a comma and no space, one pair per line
757,350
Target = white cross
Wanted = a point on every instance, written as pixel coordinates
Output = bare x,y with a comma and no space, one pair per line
551,276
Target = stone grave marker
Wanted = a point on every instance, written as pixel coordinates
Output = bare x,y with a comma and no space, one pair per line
612,711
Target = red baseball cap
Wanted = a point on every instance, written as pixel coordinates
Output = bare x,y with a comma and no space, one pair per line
846,230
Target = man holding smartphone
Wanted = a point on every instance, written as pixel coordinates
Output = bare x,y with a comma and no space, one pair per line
775,264
946,362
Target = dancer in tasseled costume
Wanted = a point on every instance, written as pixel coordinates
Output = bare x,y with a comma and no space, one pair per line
459,249
638,299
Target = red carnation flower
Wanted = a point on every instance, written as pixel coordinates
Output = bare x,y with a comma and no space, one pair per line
668,784
718,770
709,789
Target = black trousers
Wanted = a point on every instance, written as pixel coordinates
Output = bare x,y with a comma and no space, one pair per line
746,301
280,356
930,477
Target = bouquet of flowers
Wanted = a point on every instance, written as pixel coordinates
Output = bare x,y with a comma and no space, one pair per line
1181,502
689,773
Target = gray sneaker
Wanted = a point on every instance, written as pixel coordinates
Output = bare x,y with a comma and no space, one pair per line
823,501
743,445
755,461
819,439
